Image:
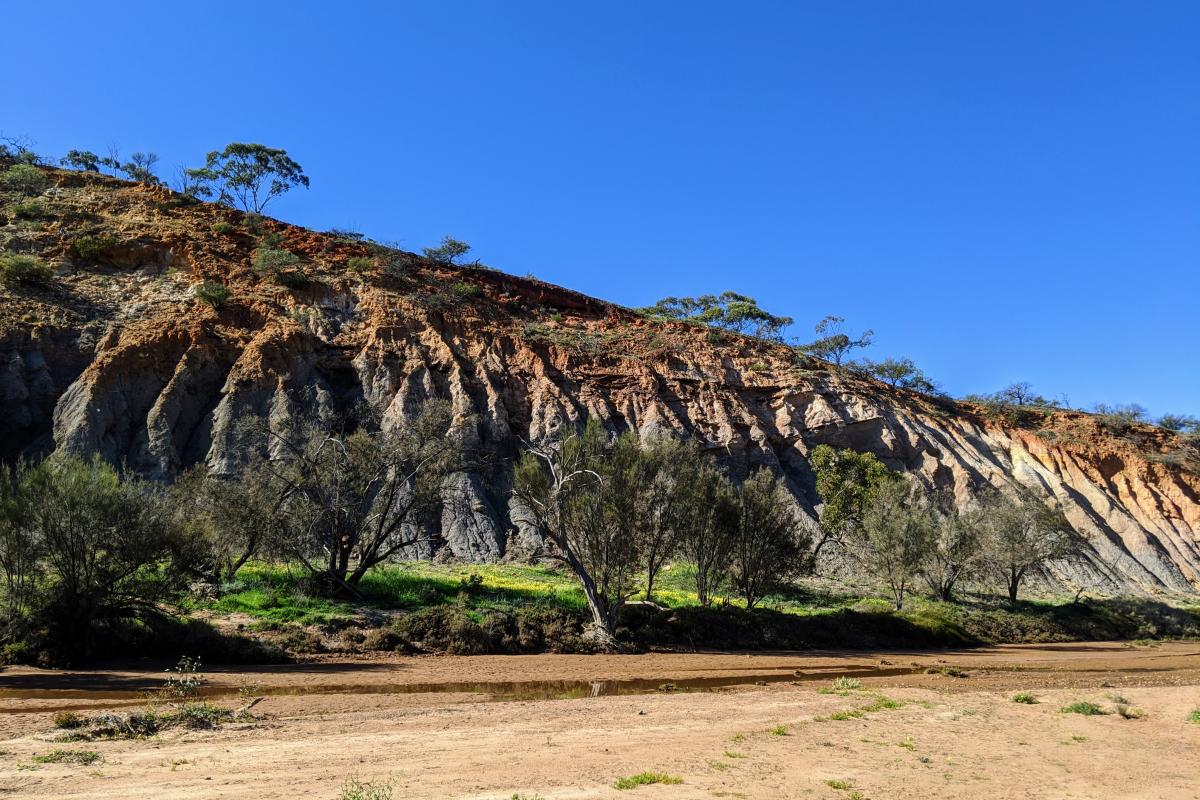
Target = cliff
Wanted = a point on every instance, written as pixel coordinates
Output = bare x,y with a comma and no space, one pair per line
118,356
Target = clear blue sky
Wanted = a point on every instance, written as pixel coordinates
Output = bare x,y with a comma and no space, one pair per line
1003,190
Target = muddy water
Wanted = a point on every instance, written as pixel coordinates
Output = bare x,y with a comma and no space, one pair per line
497,691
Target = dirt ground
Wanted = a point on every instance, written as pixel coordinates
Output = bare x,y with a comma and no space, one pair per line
499,726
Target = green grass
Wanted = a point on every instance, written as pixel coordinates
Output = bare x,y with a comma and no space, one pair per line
1025,698
779,730
841,785
1194,717
844,684
1083,707
354,789
81,757
645,779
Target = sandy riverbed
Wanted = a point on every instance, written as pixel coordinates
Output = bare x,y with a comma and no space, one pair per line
492,727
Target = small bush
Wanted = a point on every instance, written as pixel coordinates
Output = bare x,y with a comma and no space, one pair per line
81,757
645,779
465,291
92,248
1083,707
354,789
268,261
222,228
29,209
779,730
1194,717
214,294
1025,698
24,179
843,785
68,720
25,270
844,684
184,679
360,264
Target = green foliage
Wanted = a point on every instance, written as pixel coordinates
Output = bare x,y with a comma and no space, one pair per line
646,779
897,373
84,160
465,291
81,552
249,175
23,270
1084,707
81,757
833,343
446,252
1024,698
360,265
838,784
729,311
222,227
212,293
893,537
1194,717
770,547
846,482
354,789
281,267
24,179
68,720
1020,534
844,684
93,248
29,209
779,730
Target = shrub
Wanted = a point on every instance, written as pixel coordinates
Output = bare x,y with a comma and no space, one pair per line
1129,712
268,261
81,757
645,779
464,291
779,730
361,264
24,179
843,785
91,248
27,270
222,228
1083,707
844,684
68,720
1025,698
29,209
354,789
1194,717
185,679
214,294
382,639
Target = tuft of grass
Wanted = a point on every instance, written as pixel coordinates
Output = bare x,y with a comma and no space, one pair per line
844,684
880,703
907,743
733,754
464,291
1194,717
354,789
838,784
779,730
949,672
81,757
68,720
645,779
1084,707
222,228
841,716
1024,698
360,265
213,293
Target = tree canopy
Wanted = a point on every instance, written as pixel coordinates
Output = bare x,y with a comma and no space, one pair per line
248,175
729,310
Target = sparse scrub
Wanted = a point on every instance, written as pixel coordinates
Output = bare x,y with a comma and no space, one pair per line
839,784
465,291
355,789
80,757
1024,698
646,779
93,248
214,294
1084,707
222,227
845,684
24,179
360,265
779,730
1194,717
23,270
68,720
1125,711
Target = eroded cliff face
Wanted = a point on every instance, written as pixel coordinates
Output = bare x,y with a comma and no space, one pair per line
120,358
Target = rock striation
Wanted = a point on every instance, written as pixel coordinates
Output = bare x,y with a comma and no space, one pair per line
120,358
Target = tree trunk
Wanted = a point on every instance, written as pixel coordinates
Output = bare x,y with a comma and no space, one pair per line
1014,583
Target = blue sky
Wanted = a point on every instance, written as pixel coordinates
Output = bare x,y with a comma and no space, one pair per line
1002,190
